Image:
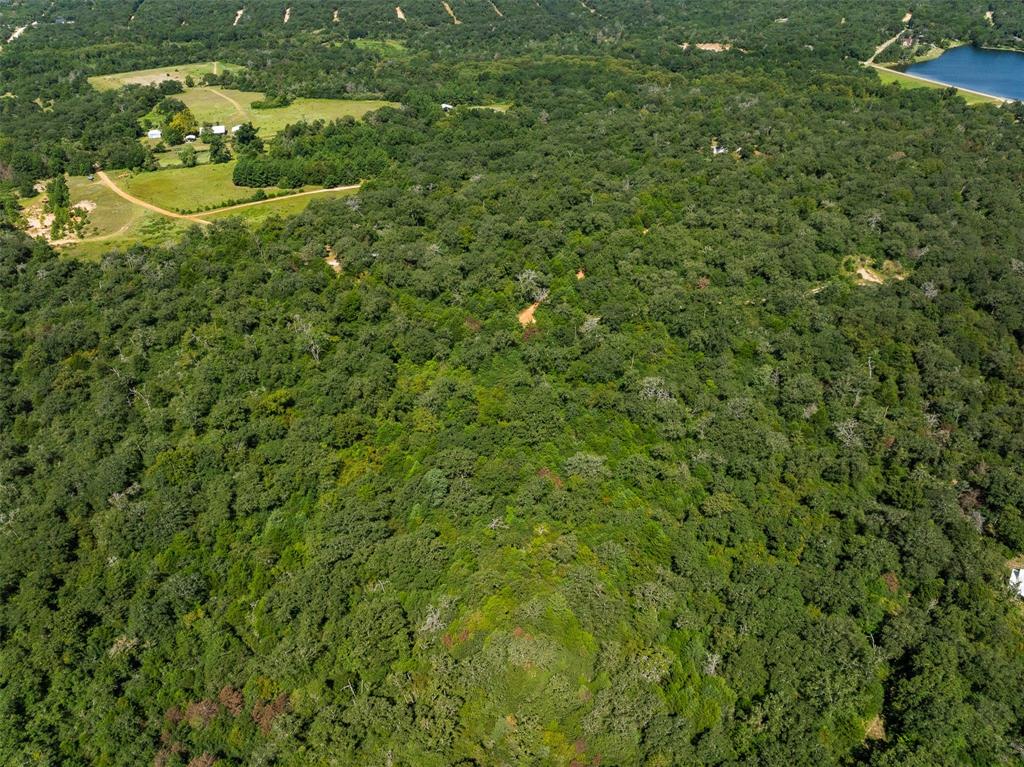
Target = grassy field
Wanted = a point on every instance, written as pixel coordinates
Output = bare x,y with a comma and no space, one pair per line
186,189
224,106
255,214
382,47
892,76
114,222
150,76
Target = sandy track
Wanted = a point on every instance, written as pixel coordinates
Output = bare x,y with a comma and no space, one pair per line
496,10
450,12
106,181
871,62
17,33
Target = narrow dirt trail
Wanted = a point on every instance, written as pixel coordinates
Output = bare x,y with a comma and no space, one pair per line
238,107
238,16
450,12
871,62
106,180
399,12
109,183
497,11
241,205
287,14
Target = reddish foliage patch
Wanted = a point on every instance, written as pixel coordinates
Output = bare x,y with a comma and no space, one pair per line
889,442
203,760
596,761
549,475
231,699
448,640
200,713
264,714
580,746
520,633
891,581
530,332
473,325
703,282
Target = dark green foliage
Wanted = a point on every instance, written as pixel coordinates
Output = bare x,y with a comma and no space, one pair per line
721,505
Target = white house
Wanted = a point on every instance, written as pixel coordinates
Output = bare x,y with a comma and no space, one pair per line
447,107
218,130
1017,580
190,137
155,133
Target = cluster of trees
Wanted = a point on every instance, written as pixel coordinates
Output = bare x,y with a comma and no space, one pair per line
721,504
322,153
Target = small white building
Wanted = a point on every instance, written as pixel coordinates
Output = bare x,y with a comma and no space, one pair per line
155,133
190,138
218,130
447,107
236,128
1017,580
717,150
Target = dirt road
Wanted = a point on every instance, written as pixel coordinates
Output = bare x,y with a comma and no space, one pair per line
106,181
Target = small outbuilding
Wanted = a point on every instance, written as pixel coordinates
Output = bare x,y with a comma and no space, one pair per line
447,107
155,133
236,128
1017,580
190,138
218,130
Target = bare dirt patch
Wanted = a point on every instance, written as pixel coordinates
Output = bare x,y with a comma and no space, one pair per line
450,12
335,18
580,274
17,33
907,17
713,47
875,729
399,12
287,14
526,317
331,259
869,275
238,16
496,10
989,19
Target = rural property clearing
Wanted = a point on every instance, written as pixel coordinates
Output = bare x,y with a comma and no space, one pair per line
158,74
225,106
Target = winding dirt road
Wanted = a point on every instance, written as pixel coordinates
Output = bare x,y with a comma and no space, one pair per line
107,182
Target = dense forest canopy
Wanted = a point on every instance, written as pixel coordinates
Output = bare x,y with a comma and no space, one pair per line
743,492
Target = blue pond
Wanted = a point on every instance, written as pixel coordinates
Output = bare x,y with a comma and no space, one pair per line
999,73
